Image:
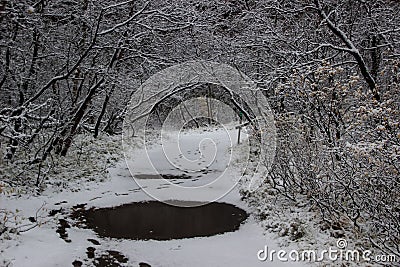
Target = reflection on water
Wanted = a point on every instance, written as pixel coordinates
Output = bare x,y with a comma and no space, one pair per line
160,221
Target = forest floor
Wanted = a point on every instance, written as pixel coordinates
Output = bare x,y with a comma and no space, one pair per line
57,239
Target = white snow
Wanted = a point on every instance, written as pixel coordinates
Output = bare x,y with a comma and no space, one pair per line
42,246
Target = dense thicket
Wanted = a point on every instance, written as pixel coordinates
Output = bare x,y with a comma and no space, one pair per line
330,69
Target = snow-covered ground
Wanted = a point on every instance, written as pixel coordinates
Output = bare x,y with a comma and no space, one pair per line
205,160
42,245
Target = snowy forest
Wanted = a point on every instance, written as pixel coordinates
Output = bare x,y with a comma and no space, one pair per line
329,69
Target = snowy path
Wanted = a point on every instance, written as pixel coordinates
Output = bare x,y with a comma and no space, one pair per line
42,246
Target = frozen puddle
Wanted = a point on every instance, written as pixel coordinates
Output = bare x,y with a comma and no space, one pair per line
159,221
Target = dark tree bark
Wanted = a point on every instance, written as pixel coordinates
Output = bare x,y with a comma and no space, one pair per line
103,111
66,143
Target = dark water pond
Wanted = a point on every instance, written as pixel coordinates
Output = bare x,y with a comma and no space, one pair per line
160,221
